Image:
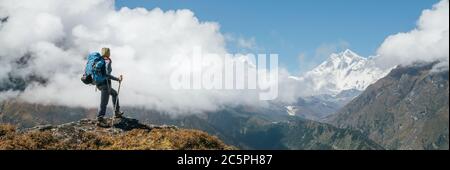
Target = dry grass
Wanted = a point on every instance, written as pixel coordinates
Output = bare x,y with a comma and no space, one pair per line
163,139
138,139
6,129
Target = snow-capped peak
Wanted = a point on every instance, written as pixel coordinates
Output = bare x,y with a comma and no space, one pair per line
343,71
342,60
291,110
347,55
350,53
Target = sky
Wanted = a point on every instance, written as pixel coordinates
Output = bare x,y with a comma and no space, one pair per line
302,32
150,46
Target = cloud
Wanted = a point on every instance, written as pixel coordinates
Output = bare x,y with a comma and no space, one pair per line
44,44
429,41
246,43
241,43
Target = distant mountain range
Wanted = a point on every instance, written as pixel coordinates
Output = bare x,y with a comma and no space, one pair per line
407,109
355,105
243,127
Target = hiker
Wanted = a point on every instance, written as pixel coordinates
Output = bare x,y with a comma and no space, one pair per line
107,90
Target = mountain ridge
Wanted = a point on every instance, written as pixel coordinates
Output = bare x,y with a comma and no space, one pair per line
407,109
241,127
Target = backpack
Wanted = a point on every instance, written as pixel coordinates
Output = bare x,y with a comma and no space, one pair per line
95,71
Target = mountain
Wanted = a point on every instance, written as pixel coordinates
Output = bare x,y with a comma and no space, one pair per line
334,83
343,71
269,131
243,127
27,115
249,128
127,134
407,109
246,127
320,106
312,108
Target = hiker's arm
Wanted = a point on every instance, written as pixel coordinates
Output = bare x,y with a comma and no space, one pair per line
108,71
112,77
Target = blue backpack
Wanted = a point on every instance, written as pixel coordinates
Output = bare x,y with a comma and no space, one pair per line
95,71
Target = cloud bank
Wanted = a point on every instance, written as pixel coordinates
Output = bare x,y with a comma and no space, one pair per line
428,42
43,44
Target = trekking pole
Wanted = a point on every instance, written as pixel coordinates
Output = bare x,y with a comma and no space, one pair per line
115,103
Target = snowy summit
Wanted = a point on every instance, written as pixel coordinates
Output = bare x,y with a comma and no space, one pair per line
343,71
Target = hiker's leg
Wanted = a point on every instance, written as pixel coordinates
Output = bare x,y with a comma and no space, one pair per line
103,102
114,99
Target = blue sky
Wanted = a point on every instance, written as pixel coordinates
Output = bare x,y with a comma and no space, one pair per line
308,28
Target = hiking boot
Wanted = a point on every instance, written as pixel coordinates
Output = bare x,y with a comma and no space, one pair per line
118,114
100,119
101,122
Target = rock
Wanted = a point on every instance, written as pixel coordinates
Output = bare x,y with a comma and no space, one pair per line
43,127
127,133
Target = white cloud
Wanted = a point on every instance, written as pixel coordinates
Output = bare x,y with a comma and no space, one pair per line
246,43
429,41
241,42
59,34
